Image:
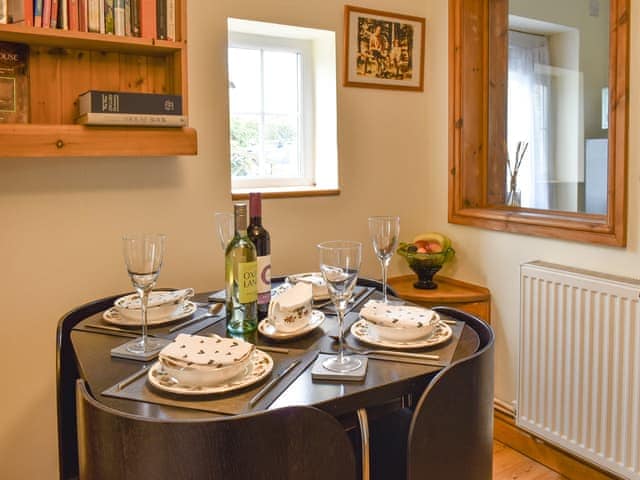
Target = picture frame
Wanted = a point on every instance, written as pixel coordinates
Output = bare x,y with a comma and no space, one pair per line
383,49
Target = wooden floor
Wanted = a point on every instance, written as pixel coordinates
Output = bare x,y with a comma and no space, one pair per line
509,464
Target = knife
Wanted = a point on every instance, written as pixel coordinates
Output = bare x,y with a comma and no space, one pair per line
264,390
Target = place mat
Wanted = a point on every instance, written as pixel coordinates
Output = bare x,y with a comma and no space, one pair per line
444,350
233,403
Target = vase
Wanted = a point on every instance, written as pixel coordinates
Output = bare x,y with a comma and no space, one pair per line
425,275
513,195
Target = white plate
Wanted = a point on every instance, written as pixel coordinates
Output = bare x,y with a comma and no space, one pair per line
268,330
293,279
258,368
361,331
112,316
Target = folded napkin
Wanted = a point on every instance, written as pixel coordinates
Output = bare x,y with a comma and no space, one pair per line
214,351
156,298
398,316
319,286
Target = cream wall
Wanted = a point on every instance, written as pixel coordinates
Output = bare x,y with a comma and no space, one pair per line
62,218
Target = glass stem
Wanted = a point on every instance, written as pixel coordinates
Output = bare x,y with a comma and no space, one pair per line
384,281
340,336
144,301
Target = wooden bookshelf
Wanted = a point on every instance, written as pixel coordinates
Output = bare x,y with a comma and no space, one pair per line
63,64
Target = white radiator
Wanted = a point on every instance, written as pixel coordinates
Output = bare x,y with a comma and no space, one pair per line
579,372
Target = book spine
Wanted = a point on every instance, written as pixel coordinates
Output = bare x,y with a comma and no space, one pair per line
171,20
161,19
93,10
28,12
135,18
15,11
55,8
46,13
147,18
127,18
63,19
95,101
4,12
109,27
37,13
101,13
132,119
118,17
73,15
83,19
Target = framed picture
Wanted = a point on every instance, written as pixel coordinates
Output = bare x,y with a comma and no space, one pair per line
383,49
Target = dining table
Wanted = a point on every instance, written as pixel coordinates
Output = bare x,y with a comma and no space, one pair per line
123,384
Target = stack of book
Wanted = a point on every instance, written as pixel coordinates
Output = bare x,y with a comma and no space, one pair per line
134,18
128,108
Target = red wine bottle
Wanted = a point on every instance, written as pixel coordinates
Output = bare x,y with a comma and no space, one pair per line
261,239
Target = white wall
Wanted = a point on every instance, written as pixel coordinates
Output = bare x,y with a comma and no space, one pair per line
62,218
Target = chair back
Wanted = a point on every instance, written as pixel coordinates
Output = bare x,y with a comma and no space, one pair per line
451,433
290,443
66,375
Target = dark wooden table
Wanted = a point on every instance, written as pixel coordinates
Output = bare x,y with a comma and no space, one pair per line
385,382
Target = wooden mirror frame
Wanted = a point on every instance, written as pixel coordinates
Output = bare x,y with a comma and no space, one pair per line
478,87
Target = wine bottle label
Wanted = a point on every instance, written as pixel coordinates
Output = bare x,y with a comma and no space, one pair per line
247,282
264,279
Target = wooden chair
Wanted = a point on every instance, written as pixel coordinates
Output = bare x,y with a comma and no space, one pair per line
66,375
291,443
450,433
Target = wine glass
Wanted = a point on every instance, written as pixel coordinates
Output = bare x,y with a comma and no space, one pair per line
384,232
226,228
143,254
339,264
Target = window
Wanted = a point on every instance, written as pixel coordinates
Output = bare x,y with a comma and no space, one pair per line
274,87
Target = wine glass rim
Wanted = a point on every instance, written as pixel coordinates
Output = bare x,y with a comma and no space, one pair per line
385,217
133,236
340,244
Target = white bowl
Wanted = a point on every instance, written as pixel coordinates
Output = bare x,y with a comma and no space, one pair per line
402,334
201,375
130,310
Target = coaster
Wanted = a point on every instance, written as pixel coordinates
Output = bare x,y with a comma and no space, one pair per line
318,372
121,350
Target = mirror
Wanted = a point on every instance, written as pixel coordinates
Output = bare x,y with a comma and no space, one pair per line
539,117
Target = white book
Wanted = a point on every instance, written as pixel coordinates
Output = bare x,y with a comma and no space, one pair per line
132,119
93,7
4,14
118,17
64,15
101,13
127,18
171,19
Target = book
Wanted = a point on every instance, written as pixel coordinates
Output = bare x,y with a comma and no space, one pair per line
63,16
12,11
132,119
98,101
171,19
14,83
101,13
83,16
37,13
73,15
127,18
93,14
46,13
118,17
27,8
4,11
161,19
109,27
55,9
135,18
147,17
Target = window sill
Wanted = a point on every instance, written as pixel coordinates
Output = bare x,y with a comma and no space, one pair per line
284,192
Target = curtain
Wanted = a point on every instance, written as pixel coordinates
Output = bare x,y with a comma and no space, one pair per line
528,115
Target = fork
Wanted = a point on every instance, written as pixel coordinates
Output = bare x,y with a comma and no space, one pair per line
368,351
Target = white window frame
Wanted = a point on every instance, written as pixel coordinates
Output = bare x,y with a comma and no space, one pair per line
306,114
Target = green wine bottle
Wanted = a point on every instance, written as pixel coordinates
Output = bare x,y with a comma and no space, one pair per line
241,272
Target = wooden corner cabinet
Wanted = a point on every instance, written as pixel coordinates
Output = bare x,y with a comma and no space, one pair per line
465,296
63,64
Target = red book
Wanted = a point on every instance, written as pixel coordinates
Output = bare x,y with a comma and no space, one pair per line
28,13
148,18
46,13
73,15
54,13
83,16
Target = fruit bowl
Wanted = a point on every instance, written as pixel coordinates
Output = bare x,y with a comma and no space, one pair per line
425,256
